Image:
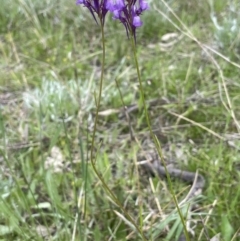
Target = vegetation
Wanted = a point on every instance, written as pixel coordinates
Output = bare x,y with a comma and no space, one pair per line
50,69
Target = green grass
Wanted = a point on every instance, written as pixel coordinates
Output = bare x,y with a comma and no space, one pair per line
50,70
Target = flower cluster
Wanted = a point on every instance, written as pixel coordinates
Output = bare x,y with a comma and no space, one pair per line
126,11
95,6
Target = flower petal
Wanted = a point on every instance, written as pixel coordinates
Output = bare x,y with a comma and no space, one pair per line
137,22
115,5
143,5
80,2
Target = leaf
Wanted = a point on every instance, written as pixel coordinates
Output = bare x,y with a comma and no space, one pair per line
227,229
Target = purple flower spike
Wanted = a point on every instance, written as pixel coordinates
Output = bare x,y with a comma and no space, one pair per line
128,13
95,6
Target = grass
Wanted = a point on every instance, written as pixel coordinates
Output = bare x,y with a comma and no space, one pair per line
50,69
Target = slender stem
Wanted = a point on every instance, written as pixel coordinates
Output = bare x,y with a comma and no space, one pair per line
99,94
93,139
156,142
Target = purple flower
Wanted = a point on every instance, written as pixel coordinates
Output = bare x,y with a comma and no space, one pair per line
115,5
95,6
128,12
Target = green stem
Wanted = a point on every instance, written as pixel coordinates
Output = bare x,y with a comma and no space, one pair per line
156,142
93,140
99,94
